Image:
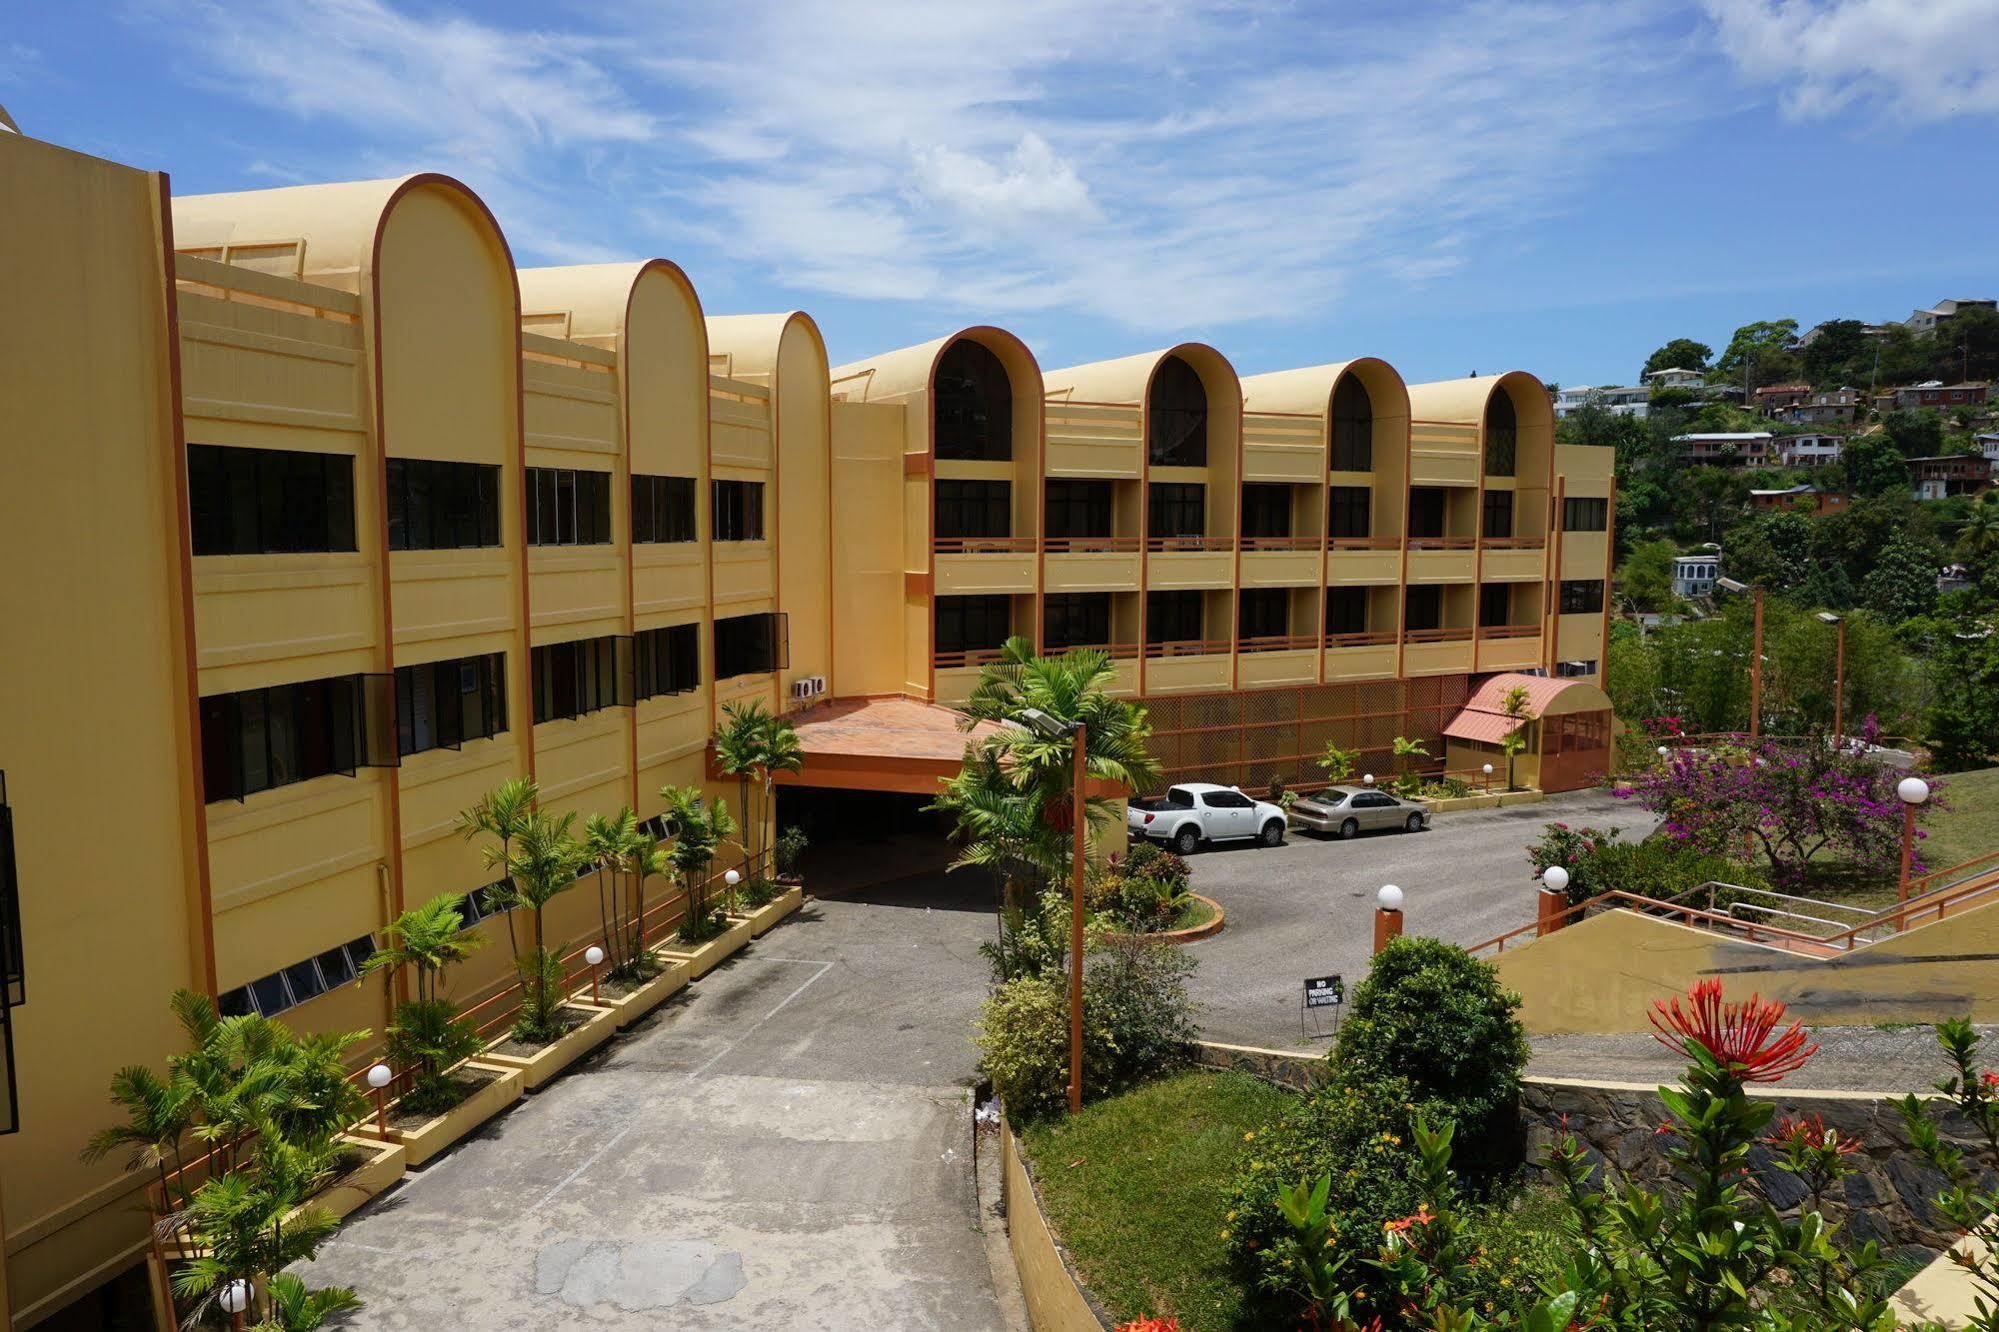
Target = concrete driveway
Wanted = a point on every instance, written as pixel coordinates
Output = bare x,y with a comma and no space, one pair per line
785,1145
1307,908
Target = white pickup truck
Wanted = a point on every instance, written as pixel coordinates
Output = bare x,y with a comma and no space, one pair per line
1196,812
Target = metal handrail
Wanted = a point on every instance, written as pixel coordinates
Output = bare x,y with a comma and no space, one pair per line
968,657
1443,543
1083,545
1278,643
1189,543
1190,647
1454,634
1365,543
1508,631
1364,638
1006,545
1281,543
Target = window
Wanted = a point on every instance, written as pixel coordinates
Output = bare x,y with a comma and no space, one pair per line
752,645
442,505
1226,800
1173,617
568,507
1501,434
1266,510
490,900
1177,416
574,678
666,661
973,624
1346,610
1352,509
1264,612
442,704
1353,427
1585,515
1423,608
268,501
974,508
973,417
1570,669
256,739
1076,619
662,509
1426,511
1079,508
1178,509
293,985
1498,513
739,511
1495,604
1582,596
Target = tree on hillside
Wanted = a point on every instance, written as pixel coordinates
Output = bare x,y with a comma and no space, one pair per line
1766,345
1679,354
1840,349
1966,347
1645,579
1771,550
1903,583
1916,433
1962,726
1873,466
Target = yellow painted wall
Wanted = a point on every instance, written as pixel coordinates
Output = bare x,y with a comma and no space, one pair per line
90,630
804,507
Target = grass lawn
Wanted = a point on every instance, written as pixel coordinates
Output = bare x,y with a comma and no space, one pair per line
1194,915
1136,1188
1970,827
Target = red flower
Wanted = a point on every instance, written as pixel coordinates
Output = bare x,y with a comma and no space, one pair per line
1742,1037
1150,1325
1989,1080
1423,1217
1809,1131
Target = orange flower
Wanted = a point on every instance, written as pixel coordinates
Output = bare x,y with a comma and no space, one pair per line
1742,1037
1423,1217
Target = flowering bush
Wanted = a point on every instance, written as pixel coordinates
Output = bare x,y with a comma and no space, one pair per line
1150,1325
1577,850
1659,867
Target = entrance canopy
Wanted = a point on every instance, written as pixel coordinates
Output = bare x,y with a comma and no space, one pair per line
1484,721
881,744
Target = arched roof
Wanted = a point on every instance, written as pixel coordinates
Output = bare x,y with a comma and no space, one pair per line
1309,390
753,342
1464,400
340,224
898,374
1129,378
596,297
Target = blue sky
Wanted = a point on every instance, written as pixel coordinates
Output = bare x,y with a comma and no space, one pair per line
1559,187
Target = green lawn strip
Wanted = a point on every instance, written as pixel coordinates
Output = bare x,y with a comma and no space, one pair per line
1194,915
1136,1187
1970,827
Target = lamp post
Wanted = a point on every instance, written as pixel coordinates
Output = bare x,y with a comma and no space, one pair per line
595,957
1387,915
235,1299
1755,658
379,1078
1838,676
729,880
1487,770
1367,779
1554,900
1913,791
1053,728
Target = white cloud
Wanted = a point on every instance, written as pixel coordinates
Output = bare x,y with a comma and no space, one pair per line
1913,60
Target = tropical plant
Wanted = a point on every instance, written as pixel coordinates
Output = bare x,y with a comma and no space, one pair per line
425,1035
1968,1200
502,814
1516,709
1001,829
753,745
1339,764
1978,538
700,827
1408,777
607,848
739,744
248,1226
789,849
543,865
647,858
295,1307
159,1113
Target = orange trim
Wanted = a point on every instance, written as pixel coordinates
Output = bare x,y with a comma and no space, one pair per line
920,585
1551,576
1609,568
921,464
194,807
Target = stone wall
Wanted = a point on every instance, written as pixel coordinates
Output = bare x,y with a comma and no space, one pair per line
1886,1199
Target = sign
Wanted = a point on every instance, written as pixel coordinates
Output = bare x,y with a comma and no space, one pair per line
1325,992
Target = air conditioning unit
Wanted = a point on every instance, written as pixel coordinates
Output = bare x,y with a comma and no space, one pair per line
802,688
818,683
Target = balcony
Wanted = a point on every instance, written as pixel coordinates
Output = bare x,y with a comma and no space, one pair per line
1446,651
1278,659
1442,559
1283,446
1507,647
1360,656
1090,564
1188,666
975,566
1093,439
1291,561
1124,661
1511,559
1190,561
1443,453
1351,560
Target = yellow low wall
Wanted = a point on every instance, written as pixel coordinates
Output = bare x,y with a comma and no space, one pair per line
1603,974
1055,1299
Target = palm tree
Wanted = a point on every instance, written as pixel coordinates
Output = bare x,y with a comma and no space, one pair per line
159,1112
1978,539
700,826
428,938
1407,779
647,858
607,843
781,752
543,864
1001,828
502,814
426,1035
1514,705
739,746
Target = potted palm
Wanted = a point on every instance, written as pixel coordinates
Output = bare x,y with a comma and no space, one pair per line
645,978
502,814
446,1092
550,1031
707,934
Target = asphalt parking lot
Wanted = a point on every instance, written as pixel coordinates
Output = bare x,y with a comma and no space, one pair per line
1307,908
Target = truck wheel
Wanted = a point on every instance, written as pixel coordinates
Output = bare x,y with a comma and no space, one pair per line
1415,823
1351,828
1273,833
1185,841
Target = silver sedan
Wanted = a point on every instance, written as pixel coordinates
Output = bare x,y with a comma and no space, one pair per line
1348,811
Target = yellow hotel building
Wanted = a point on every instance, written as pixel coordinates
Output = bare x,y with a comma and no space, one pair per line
322,519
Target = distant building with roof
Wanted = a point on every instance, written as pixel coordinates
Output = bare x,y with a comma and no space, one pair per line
1801,498
1675,378
1621,400
1936,393
1773,399
1926,321
1814,450
1949,474
1726,448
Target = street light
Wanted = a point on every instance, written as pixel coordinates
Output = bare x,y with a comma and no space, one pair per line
1913,791
1556,878
1755,658
235,1298
1387,915
1054,728
1838,678
1487,770
379,1078
1367,779
595,957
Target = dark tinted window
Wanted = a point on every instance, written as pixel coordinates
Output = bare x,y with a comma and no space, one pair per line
1266,510
1582,596
268,501
1264,612
1177,416
1181,797
255,739
1177,509
1585,515
1353,427
1351,511
739,511
1173,617
751,645
1426,511
1079,508
667,661
1500,435
442,704
1498,513
442,505
568,507
971,624
574,678
1423,608
1495,604
973,413
1076,619
974,508
662,509
1346,610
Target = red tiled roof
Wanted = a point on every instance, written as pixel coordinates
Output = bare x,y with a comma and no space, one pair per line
1541,691
896,728
1485,728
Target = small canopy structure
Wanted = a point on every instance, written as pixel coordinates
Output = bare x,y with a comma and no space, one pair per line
1567,723
882,744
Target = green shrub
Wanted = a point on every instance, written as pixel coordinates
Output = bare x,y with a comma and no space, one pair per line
428,1038
1146,861
790,848
1659,867
1431,1013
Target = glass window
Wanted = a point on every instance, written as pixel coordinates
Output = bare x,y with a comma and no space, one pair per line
1173,617
1498,513
1177,416
739,510
442,704
268,501
1353,427
1585,515
1501,434
1495,604
335,966
568,507
236,1003
1352,510
1346,610
256,739
973,624
1423,608
668,660
1582,596
1266,510
751,645
442,505
1178,509
574,678
974,508
972,418
1079,508
1264,612
1426,511
1076,619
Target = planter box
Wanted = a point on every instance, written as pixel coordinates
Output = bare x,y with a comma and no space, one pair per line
1482,800
420,1144
384,1166
770,913
705,958
541,1067
1192,934
631,1007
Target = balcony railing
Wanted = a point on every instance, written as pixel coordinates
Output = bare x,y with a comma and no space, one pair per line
1278,643
1281,543
1084,545
1190,543
1509,631
1006,545
1189,647
1454,634
966,657
1367,543
1513,543
1365,638
1116,651
1442,543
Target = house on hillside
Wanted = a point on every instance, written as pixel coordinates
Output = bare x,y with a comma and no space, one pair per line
1827,407
1695,575
1926,321
1622,400
1775,399
1936,393
1814,450
1675,379
1988,449
1950,474
1803,499
1727,448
